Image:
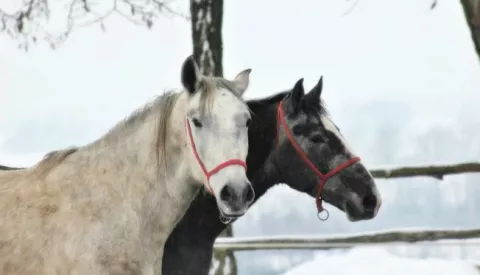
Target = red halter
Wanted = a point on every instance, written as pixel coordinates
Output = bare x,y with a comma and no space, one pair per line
323,177
219,167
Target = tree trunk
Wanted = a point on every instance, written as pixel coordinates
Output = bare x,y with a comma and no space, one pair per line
471,9
207,17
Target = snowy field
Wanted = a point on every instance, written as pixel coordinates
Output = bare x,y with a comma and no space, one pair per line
379,261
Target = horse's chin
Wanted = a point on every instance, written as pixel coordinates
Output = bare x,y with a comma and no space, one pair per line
230,215
226,217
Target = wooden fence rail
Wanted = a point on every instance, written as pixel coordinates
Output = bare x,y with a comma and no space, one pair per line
3,167
437,171
347,241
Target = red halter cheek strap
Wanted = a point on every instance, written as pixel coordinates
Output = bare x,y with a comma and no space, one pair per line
323,177
217,168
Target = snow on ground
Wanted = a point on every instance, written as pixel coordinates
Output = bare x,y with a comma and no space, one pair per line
378,261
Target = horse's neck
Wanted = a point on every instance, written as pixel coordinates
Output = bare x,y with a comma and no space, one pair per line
174,173
179,183
262,136
129,163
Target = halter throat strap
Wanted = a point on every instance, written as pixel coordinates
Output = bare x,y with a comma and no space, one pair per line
209,173
323,178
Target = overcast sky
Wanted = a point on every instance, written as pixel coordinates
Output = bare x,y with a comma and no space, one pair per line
418,63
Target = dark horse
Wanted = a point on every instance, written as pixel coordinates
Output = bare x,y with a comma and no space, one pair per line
291,140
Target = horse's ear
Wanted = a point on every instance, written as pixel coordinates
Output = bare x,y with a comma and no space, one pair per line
190,74
295,96
241,81
316,91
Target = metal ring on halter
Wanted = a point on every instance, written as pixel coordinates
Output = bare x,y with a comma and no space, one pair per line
320,217
225,220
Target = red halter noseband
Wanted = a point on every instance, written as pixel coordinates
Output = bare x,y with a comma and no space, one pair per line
323,177
219,167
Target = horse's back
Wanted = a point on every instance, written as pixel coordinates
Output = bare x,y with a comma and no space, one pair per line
23,210
55,225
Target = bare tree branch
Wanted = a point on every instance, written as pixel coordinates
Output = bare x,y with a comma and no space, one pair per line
27,25
351,8
25,21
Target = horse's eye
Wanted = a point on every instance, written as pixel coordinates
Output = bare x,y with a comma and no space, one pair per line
316,139
197,123
248,122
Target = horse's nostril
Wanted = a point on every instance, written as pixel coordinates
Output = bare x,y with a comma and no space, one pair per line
227,193
248,194
369,202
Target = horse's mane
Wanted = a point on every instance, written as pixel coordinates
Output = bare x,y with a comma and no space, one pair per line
162,106
261,102
209,85
51,160
313,106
